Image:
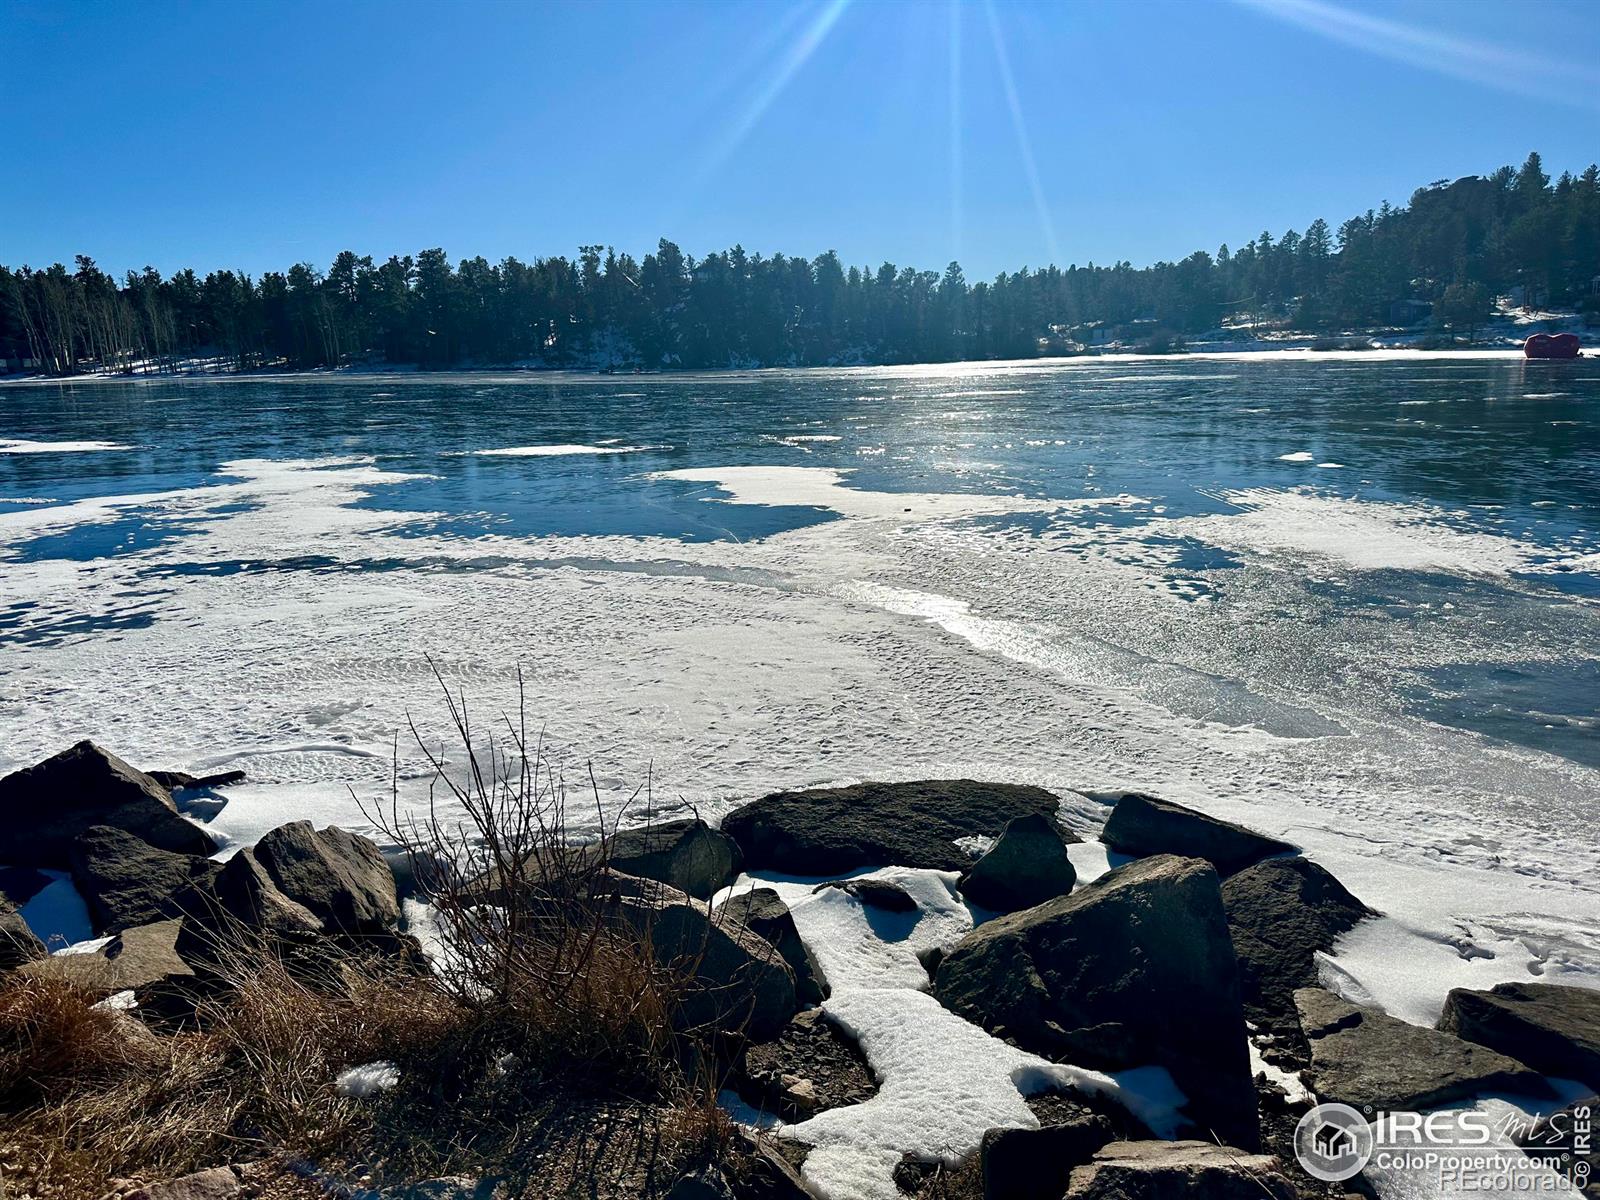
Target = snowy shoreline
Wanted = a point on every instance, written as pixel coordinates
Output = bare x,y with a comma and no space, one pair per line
1261,352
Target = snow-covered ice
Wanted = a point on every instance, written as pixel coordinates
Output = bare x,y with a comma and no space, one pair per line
560,450
25,446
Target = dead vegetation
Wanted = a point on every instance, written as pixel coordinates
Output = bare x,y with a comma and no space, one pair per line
546,1048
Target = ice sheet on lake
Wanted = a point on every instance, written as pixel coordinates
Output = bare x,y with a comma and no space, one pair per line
1041,643
24,446
559,450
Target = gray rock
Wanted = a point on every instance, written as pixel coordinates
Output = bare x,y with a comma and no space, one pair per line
768,1175
18,943
18,885
1134,968
763,912
1552,1028
1141,825
241,906
1178,1171
135,958
182,781
688,854
828,831
126,881
339,877
706,1183
738,983
1366,1058
219,1183
1280,912
875,893
43,808
1036,1164
1027,866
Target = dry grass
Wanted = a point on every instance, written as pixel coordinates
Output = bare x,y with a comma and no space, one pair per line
548,1048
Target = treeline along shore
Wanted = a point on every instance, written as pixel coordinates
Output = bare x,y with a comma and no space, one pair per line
1440,259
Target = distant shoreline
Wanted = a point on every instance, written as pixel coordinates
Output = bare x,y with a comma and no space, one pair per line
1293,353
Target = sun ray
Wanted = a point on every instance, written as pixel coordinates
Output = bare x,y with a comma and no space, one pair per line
1508,70
787,67
1024,142
956,164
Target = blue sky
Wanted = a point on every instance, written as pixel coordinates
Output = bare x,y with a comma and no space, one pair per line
255,135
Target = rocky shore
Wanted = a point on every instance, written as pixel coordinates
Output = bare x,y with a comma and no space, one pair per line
930,988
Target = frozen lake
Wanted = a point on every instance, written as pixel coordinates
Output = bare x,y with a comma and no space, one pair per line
1352,600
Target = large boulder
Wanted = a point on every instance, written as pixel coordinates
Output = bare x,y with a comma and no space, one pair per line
827,831
734,982
1132,969
126,881
43,808
1552,1028
1141,825
1368,1059
1280,913
341,878
688,854
18,943
1027,866
241,902
1178,1171
136,958
762,911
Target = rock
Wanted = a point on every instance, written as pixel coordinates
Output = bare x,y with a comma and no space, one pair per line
339,877
763,912
828,831
877,893
18,943
43,808
182,781
930,959
810,1064
219,1183
1178,1171
1132,969
739,982
1143,825
18,885
688,854
245,891
1363,1057
768,1175
135,958
1553,1028
1036,1164
126,881
1280,912
707,1183
242,907
1027,866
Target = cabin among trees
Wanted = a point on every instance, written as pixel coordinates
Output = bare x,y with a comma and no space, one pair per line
1439,259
